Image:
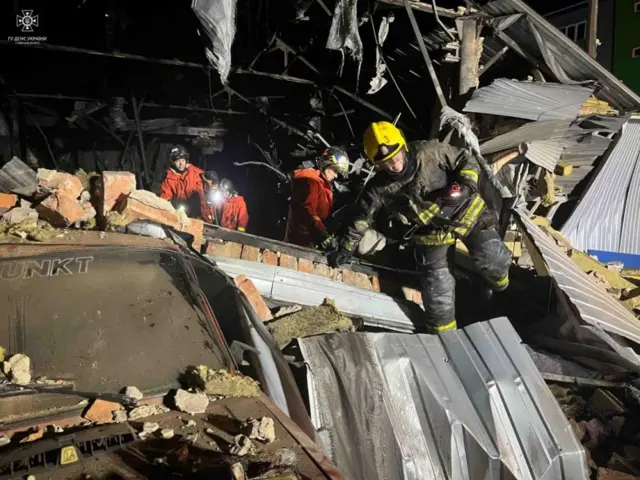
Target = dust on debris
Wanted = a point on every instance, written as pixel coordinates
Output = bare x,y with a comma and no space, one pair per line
221,382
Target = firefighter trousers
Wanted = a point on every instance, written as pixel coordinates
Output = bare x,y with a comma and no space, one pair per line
490,256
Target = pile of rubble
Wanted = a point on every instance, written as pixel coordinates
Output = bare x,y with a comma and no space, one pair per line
47,200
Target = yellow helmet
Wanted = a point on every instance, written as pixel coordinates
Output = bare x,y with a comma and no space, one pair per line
382,140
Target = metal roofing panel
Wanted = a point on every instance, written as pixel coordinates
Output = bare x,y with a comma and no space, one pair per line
595,305
282,284
545,153
607,216
575,62
467,404
16,176
530,100
545,129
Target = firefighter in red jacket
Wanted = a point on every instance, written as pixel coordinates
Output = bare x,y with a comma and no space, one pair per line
183,185
312,200
231,209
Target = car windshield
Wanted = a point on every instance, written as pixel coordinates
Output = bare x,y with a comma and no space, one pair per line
106,318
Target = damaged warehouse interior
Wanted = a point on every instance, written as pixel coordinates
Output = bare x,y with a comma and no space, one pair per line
143,338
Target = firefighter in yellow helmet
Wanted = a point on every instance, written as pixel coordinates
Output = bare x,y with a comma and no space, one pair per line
432,186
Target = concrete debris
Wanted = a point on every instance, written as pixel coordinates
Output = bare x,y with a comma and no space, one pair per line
190,423
262,430
3,353
19,215
310,321
32,437
101,411
221,382
192,438
166,433
133,392
237,471
286,457
4,440
146,411
283,311
116,186
119,416
191,402
242,445
606,474
150,427
18,369
598,433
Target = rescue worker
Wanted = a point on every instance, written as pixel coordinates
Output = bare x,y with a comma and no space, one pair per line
211,182
183,185
232,209
312,200
432,187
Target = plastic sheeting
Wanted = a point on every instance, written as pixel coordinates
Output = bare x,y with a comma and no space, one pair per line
379,81
218,18
465,405
344,34
607,217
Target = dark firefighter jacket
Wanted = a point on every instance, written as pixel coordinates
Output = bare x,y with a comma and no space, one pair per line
414,193
186,188
311,202
234,214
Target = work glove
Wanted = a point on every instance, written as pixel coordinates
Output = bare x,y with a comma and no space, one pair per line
329,243
338,258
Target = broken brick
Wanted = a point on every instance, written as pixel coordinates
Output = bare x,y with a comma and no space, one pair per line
8,200
61,182
322,269
305,266
217,249
579,429
101,411
356,279
255,298
606,474
375,284
269,257
143,205
250,253
60,209
116,186
287,261
235,249
196,228
410,293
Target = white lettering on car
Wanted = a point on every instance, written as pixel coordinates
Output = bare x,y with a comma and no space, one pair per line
26,269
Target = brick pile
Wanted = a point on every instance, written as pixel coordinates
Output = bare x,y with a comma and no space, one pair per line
64,200
219,248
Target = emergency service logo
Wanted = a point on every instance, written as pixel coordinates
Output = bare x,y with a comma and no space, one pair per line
26,21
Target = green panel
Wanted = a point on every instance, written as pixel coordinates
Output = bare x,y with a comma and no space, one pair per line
627,37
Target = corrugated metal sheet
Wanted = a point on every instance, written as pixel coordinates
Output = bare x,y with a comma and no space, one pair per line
16,176
465,405
547,129
282,284
595,305
577,64
529,100
608,215
545,153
